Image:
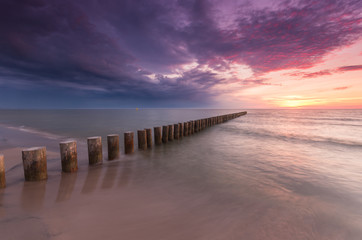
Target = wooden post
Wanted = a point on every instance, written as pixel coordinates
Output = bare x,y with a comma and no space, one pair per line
158,135
170,132
149,137
128,142
113,146
186,128
181,129
176,131
2,172
95,155
192,127
142,139
68,156
164,134
35,164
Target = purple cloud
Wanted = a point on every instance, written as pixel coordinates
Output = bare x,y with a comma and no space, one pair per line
297,36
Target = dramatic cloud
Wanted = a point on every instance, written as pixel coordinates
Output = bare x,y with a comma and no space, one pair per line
167,49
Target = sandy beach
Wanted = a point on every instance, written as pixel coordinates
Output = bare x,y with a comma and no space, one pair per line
13,141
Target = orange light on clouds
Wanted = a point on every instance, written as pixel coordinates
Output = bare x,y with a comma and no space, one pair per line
335,82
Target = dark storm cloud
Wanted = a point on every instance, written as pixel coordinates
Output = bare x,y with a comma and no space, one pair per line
130,48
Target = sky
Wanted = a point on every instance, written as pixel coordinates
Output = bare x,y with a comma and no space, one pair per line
180,54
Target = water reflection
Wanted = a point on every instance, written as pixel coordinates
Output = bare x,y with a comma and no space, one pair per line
32,196
110,175
126,173
66,186
92,178
2,208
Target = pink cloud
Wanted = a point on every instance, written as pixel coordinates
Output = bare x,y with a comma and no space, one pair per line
317,74
350,68
325,72
341,88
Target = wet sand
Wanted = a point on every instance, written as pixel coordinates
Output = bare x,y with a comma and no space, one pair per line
159,194
13,141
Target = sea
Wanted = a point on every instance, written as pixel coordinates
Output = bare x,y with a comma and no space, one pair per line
270,174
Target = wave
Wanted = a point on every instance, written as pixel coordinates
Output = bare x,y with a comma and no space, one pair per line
334,119
299,118
263,133
34,131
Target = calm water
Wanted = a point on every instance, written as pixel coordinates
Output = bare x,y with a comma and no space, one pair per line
272,174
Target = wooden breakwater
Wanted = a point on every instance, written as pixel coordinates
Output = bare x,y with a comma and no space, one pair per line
35,162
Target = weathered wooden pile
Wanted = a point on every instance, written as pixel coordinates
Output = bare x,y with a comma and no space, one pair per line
35,162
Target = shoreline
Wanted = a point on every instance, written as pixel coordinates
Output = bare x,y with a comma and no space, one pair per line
13,141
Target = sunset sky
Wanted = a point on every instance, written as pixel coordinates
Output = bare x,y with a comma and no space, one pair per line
180,54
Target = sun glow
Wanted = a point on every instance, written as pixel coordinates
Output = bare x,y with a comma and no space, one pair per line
294,103
297,101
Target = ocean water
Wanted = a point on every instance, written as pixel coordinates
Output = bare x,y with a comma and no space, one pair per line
271,174
80,124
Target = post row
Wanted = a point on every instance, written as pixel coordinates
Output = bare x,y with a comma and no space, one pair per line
35,162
